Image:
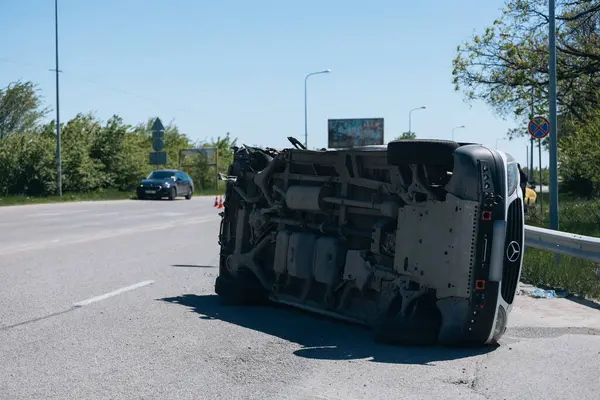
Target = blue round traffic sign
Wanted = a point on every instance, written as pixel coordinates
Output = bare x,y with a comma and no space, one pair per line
158,144
538,127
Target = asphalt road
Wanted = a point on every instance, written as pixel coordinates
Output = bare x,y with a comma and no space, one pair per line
114,300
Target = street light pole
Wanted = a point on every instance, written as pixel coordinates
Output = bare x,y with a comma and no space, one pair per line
455,128
306,103
58,156
410,117
553,119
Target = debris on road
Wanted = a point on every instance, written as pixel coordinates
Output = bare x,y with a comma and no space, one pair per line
538,293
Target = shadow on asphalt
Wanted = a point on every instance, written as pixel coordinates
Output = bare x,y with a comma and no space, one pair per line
584,302
321,338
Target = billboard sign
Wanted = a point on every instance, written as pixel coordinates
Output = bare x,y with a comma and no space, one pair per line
354,132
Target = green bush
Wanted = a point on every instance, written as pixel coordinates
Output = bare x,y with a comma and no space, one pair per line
27,165
97,158
578,156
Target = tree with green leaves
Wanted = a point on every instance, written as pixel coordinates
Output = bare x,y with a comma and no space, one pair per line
95,154
82,171
27,164
506,66
406,135
20,108
579,157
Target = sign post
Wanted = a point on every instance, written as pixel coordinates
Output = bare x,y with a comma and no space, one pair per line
539,128
158,157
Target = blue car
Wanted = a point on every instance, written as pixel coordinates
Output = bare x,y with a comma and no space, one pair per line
169,183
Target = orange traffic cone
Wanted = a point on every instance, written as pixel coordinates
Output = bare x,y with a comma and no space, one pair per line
216,201
220,201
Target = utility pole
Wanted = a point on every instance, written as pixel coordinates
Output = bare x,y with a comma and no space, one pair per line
530,171
553,119
58,156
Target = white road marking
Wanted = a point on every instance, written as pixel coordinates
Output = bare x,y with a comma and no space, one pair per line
113,293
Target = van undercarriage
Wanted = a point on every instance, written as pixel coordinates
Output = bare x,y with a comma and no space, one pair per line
392,238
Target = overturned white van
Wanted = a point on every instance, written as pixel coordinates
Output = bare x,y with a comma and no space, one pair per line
422,240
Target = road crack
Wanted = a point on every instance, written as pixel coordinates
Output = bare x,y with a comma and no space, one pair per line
473,384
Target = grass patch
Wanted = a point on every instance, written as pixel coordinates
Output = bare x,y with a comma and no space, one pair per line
100,195
581,216
66,197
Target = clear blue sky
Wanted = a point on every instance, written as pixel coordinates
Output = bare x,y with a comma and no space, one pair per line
238,66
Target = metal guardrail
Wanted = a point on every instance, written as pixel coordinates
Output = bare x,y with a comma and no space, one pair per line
569,244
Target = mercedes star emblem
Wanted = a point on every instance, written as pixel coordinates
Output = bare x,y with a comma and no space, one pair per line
513,250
